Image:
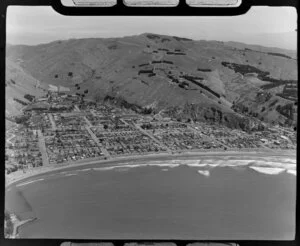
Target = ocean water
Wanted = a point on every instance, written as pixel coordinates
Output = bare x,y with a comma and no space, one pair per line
158,202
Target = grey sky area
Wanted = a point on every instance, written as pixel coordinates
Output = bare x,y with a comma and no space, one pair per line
267,26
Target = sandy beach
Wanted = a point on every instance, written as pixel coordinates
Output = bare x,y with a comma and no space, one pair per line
265,161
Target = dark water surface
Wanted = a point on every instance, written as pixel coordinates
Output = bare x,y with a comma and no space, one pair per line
155,203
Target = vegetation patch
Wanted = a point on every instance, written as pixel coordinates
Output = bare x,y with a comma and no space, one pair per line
278,54
29,97
182,39
112,47
20,101
165,40
144,82
145,71
287,110
153,36
262,75
193,80
8,225
144,64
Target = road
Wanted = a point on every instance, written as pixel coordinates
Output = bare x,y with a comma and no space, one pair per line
153,138
42,147
52,122
94,137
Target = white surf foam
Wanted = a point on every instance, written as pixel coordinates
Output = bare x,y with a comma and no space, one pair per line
84,170
104,168
268,170
71,174
185,162
213,165
293,172
163,165
29,182
205,173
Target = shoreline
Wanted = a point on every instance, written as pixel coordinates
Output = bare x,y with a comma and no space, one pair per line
17,226
119,161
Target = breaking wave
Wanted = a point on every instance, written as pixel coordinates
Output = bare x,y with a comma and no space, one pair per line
205,173
29,182
268,170
270,166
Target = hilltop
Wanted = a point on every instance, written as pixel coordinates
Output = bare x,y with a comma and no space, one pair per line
232,83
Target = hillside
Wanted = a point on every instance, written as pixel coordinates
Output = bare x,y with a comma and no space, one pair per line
19,83
170,73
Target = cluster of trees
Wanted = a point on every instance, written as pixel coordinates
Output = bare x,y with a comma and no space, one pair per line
20,101
60,109
244,69
163,49
112,47
153,36
192,79
273,103
263,97
29,97
165,40
183,85
262,75
144,64
168,62
176,53
240,108
270,53
122,103
288,97
286,110
278,54
163,61
145,71
182,39
21,119
77,86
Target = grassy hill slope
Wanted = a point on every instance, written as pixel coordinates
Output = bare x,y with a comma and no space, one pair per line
168,72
